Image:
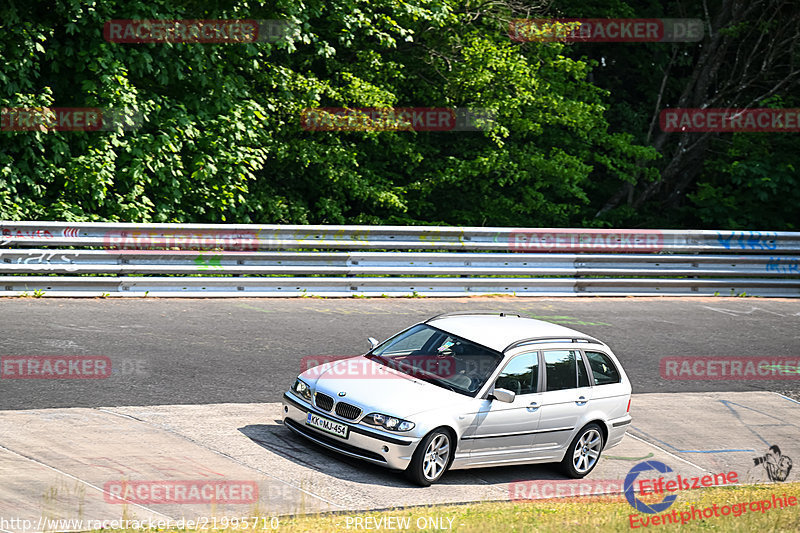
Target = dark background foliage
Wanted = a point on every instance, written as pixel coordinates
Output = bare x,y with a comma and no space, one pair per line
575,141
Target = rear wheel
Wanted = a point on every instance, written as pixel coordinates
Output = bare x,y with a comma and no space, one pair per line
584,452
431,458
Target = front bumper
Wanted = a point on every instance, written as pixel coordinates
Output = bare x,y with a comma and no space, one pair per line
378,447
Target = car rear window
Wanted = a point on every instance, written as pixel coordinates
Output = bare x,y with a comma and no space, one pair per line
603,370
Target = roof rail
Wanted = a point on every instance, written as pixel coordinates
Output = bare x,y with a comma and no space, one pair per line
541,340
457,313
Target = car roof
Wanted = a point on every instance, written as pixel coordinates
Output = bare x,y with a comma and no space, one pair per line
499,331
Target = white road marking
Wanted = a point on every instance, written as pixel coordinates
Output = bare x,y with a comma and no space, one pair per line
738,312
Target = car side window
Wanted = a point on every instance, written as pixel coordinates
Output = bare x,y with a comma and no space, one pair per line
520,375
563,370
603,370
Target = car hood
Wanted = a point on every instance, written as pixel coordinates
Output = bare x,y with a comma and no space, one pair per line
377,388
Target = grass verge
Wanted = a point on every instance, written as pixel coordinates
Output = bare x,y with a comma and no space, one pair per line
598,513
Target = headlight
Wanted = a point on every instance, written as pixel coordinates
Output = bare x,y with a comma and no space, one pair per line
388,422
302,389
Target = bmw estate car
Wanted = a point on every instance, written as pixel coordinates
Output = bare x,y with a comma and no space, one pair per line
466,391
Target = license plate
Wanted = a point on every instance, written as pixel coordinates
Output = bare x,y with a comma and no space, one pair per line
328,426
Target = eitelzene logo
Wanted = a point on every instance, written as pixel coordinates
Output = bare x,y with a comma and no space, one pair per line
630,495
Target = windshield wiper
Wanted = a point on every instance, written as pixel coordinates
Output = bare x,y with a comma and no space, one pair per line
443,384
383,360
380,358
413,371
427,376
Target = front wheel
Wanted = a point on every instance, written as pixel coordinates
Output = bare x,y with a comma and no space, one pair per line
431,458
584,452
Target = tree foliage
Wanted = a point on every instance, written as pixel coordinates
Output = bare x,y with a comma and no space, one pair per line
222,138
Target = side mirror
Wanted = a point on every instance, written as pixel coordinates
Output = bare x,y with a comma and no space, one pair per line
503,395
373,342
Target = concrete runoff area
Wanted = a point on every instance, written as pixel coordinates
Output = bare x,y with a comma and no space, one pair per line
66,463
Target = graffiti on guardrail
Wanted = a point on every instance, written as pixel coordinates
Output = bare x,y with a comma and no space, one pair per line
208,263
748,240
784,265
10,235
571,240
43,260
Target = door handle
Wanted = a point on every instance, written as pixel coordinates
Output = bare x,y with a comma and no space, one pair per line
533,405
581,400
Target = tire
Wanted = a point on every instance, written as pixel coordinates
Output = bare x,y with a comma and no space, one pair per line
431,458
584,452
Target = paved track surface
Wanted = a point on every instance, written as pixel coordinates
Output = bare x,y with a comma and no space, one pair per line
166,352
194,382
54,472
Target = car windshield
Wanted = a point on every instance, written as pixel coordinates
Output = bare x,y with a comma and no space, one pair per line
439,358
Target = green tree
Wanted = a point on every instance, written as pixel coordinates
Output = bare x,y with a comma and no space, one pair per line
222,141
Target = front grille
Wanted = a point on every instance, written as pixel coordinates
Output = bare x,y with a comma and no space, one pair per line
324,401
345,410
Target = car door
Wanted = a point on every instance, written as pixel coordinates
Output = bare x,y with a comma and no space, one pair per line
565,399
609,393
504,432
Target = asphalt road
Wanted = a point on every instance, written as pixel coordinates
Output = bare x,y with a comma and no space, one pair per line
249,350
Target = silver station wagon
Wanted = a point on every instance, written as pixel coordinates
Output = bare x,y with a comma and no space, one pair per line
468,390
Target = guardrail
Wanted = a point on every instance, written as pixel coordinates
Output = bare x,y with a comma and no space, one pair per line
200,260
